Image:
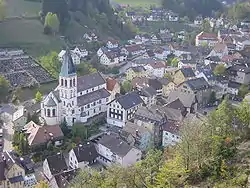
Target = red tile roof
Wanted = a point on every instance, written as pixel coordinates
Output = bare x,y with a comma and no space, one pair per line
207,36
110,84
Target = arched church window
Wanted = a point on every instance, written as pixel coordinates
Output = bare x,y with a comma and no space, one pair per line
61,82
66,83
54,112
48,112
70,83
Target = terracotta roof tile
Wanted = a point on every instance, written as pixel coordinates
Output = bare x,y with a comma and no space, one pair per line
110,84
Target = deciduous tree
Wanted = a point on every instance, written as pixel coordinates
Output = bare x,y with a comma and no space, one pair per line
219,70
2,10
52,21
4,89
38,97
243,90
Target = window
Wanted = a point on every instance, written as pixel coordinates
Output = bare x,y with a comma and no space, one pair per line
100,101
88,106
48,112
93,103
100,108
70,83
74,82
72,103
92,89
173,136
64,103
54,112
66,83
61,82
73,111
94,111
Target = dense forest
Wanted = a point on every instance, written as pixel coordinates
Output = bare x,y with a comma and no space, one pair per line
239,11
193,8
93,14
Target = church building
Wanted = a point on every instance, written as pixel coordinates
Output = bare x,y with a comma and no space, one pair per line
75,99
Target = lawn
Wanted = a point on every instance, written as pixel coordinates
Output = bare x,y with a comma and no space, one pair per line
22,8
138,3
27,34
153,27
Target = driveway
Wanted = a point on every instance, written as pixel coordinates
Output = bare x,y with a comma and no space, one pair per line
7,132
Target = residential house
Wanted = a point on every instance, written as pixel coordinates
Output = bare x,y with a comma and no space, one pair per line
167,86
233,88
198,20
162,53
63,179
123,108
134,72
199,87
179,50
53,165
14,172
208,75
113,87
153,119
175,111
212,59
172,17
148,95
188,100
239,74
219,50
75,56
90,37
19,118
170,134
156,68
208,39
155,39
112,44
242,42
112,149
82,156
82,52
187,64
40,135
182,75
138,136
133,50
109,58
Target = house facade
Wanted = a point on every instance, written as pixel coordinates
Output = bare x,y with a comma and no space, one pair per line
123,108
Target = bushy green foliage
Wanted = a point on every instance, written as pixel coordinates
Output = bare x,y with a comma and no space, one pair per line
4,89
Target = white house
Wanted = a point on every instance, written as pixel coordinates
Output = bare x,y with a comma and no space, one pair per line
133,50
220,50
109,58
53,165
19,118
208,39
123,108
114,150
148,95
170,135
80,52
156,69
76,99
173,17
162,53
75,57
198,20
83,155
112,44
90,37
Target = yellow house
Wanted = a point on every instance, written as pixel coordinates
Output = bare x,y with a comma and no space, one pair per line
134,72
167,86
13,174
182,75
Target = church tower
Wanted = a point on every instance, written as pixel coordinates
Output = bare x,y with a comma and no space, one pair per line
68,88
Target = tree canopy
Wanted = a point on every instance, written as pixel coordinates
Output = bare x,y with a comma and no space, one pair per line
193,8
2,10
4,89
52,22
219,70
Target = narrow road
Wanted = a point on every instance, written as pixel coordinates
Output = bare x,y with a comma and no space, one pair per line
7,133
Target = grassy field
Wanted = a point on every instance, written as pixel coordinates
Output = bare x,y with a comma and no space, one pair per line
22,8
27,34
138,3
153,27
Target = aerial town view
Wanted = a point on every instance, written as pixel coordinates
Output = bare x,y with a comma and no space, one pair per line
124,94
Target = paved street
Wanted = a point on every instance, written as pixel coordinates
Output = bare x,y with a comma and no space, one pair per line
7,133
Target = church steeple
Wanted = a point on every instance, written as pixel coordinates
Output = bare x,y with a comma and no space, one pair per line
68,67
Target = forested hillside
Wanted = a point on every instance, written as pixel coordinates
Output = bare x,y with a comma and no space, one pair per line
92,14
240,10
192,8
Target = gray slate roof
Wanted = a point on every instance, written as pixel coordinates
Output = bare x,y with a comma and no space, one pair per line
57,163
68,68
188,72
85,153
93,96
129,100
89,81
50,102
197,84
148,92
115,144
187,99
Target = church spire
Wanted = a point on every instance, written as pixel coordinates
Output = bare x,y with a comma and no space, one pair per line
68,68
